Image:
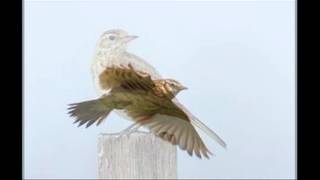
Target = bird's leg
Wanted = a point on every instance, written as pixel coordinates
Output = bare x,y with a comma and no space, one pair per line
132,128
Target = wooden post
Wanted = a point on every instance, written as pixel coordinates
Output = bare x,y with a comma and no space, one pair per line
140,155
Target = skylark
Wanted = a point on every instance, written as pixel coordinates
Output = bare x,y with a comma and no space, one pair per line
132,88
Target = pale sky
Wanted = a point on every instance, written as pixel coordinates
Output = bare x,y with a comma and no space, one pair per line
237,59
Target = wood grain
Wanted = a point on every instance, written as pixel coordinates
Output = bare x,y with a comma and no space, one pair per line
140,155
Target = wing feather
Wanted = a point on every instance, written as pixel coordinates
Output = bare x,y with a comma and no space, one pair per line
126,77
183,139
197,149
178,132
196,122
190,143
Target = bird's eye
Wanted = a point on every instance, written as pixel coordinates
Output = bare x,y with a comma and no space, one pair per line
112,37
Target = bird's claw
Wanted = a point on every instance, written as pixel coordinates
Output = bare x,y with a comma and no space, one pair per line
126,132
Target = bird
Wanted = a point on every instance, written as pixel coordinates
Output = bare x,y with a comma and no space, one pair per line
144,100
119,87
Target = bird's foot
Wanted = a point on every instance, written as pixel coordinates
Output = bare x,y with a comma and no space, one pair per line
129,130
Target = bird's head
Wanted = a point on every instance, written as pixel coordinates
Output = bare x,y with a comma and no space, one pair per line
173,86
115,39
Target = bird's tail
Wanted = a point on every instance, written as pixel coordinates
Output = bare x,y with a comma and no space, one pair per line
89,112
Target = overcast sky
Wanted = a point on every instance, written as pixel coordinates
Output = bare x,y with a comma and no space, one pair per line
236,58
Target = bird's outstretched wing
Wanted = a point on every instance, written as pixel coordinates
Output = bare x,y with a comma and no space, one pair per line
95,111
170,123
126,77
196,122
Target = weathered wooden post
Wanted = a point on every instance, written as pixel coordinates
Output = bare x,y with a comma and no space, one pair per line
140,155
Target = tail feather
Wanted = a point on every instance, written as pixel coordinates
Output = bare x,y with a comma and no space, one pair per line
89,112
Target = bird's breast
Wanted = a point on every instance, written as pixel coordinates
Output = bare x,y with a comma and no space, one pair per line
100,63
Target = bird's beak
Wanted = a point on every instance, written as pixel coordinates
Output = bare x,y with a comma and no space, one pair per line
130,38
183,88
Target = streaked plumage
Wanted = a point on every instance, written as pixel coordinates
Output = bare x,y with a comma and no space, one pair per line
173,122
148,102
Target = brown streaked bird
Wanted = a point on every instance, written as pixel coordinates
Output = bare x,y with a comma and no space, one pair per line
111,51
148,102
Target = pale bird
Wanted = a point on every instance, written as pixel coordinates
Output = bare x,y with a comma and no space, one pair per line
133,89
